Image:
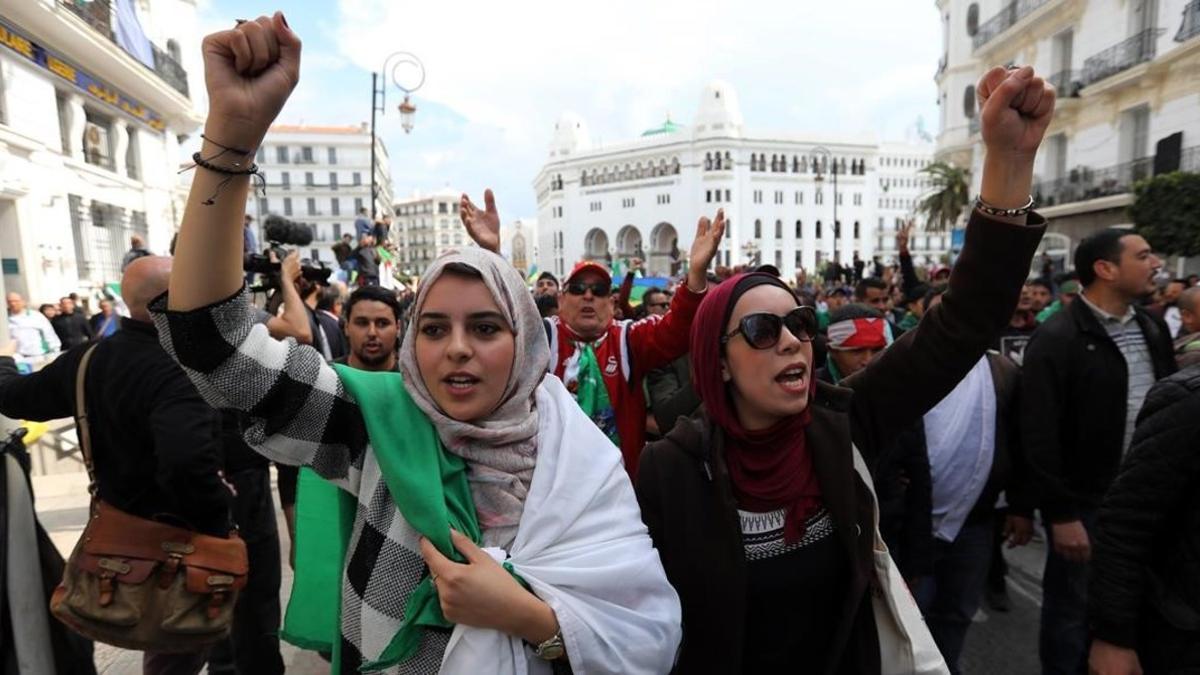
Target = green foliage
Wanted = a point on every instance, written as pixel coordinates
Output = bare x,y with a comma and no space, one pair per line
950,196
1166,211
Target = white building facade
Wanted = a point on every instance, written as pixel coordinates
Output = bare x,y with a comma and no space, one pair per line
643,197
1128,79
94,101
425,226
320,176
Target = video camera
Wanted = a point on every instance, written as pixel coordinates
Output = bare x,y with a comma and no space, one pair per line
280,231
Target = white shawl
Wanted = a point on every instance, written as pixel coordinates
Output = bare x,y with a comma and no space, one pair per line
581,545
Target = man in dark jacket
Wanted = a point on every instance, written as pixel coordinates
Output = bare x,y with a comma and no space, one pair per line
154,440
1086,373
71,325
1144,593
367,262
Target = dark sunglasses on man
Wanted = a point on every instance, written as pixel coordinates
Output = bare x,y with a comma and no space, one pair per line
763,329
599,289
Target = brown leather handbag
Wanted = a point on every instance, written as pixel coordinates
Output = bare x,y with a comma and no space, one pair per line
141,584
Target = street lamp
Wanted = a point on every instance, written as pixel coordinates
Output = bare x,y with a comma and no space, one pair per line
750,249
391,65
822,150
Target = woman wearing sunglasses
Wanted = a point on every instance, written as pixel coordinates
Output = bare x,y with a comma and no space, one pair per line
766,526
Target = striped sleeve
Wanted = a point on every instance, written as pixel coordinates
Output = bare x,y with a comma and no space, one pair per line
300,412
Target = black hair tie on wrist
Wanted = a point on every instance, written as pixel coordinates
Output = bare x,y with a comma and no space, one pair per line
230,174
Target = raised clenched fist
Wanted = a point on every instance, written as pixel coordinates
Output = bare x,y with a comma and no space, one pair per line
1015,107
250,71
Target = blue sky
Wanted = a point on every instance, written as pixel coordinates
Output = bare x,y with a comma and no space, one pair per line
498,74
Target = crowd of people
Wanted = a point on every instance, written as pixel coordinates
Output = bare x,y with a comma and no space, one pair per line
739,473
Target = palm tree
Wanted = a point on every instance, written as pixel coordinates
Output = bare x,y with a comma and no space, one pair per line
950,196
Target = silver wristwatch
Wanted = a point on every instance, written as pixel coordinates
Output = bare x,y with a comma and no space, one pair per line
552,649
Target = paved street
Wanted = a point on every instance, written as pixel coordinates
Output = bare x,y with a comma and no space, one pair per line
1000,643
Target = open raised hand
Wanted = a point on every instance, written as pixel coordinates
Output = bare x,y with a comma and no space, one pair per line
704,249
483,226
1015,108
250,71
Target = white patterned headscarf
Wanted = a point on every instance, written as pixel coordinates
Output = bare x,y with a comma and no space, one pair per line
500,449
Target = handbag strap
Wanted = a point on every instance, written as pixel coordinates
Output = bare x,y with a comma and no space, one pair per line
81,420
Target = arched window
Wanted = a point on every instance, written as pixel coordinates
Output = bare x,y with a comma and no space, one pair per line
675,165
799,230
973,19
779,229
758,229
969,101
837,229
708,163
818,229
717,160
856,229
728,160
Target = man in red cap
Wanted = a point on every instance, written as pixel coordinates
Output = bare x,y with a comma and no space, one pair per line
603,361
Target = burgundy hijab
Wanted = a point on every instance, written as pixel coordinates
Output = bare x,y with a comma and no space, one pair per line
772,468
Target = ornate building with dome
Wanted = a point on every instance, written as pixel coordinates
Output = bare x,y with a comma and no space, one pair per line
792,200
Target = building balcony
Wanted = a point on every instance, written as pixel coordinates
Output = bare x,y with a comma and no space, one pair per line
100,15
1067,83
1084,183
1190,27
1006,18
1128,53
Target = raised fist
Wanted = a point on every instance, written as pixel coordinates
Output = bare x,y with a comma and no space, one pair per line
250,71
1015,107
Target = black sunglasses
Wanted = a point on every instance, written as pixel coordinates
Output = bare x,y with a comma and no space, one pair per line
762,329
599,289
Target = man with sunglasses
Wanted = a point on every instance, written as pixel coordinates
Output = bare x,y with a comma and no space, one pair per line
603,362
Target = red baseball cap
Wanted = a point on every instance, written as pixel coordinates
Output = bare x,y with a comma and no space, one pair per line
589,266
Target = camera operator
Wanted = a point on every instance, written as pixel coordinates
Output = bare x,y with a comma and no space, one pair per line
294,321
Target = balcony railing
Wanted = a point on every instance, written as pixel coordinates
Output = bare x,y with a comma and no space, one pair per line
1083,183
99,15
1067,83
1189,159
1122,56
1006,18
1191,22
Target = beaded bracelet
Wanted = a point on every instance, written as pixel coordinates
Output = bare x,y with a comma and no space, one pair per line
230,174
199,161
987,209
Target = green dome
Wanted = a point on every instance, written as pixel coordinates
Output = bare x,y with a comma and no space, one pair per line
667,127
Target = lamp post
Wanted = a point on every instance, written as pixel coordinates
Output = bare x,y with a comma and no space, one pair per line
750,249
393,63
822,150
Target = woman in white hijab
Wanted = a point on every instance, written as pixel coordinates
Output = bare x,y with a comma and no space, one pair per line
482,539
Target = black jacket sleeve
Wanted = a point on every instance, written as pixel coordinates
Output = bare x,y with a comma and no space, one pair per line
1162,467
908,273
48,394
925,365
1043,399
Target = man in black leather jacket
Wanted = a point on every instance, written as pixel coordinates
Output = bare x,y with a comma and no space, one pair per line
1144,595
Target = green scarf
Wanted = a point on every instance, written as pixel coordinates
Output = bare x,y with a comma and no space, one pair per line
429,487
592,395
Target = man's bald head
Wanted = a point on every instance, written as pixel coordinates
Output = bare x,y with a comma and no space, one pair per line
145,279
